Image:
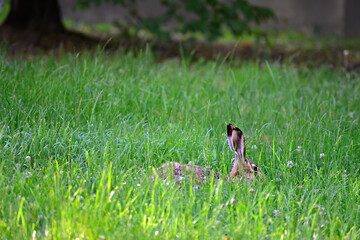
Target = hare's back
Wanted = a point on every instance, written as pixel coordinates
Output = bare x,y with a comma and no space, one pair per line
178,171
166,169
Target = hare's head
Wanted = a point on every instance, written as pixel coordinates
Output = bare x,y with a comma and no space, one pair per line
242,166
257,171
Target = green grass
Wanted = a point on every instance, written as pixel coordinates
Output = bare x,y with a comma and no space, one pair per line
293,40
93,126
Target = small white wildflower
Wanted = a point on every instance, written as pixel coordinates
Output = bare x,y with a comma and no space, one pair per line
322,225
138,184
346,52
298,149
277,213
101,236
28,174
322,155
77,238
17,165
156,233
28,158
46,232
254,147
314,236
78,177
289,164
124,183
217,222
61,172
111,195
232,200
33,234
82,236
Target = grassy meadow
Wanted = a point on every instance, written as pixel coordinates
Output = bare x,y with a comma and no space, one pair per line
80,135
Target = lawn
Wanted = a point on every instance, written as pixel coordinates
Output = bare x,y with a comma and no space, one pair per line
80,135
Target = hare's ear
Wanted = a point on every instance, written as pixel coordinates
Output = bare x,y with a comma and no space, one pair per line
229,131
239,139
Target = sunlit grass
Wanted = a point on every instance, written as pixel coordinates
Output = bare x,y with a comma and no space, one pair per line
79,135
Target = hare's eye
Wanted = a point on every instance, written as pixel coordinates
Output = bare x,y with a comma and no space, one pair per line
255,169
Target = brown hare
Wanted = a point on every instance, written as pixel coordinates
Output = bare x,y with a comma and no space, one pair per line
242,169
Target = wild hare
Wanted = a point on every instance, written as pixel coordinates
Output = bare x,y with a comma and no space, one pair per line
242,169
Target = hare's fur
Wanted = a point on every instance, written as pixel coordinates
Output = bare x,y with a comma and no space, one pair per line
200,175
242,168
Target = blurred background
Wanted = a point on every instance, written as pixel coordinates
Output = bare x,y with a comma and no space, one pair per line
340,17
323,32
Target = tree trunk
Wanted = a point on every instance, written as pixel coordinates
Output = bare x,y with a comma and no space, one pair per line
36,15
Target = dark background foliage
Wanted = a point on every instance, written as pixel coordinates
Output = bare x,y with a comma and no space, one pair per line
208,17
